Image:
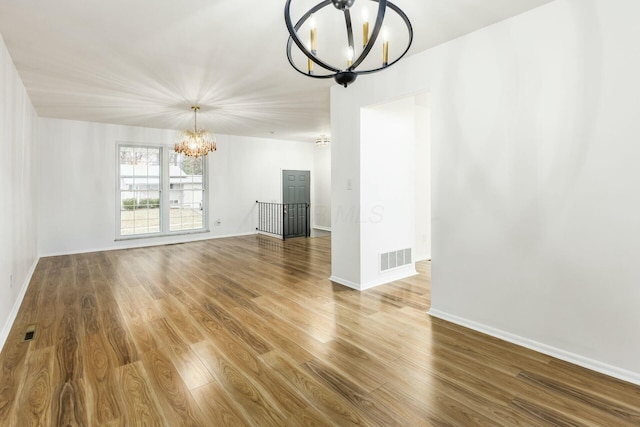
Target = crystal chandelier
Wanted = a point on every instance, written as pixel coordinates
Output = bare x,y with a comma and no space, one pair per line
346,73
196,142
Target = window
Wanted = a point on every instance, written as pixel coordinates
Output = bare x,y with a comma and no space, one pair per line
160,192
139,190
186,192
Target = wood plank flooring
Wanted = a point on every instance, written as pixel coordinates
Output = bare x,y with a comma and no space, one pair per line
249,331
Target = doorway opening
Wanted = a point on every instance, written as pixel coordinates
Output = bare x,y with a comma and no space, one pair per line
395,168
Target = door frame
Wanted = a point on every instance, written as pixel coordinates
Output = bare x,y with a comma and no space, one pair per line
282,181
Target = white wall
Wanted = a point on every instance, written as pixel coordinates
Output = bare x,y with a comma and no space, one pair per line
422,162
77,183
18,227
345,188
535,177
322,185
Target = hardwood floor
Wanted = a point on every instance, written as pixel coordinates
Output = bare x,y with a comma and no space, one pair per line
249,331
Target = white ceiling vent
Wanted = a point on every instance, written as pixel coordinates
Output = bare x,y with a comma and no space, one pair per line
395,259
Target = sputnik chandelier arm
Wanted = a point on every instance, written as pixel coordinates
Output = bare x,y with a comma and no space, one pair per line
293,37
350,73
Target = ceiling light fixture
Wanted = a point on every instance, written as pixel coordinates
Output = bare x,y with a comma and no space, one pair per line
348,75
322,141
196,142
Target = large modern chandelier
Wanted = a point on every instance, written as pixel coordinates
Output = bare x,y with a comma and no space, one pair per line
196,142
353,57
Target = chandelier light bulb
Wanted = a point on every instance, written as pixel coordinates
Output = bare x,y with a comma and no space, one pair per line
365,28
313,36
350,55
385,48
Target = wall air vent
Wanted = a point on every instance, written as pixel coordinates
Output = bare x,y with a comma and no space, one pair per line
395,259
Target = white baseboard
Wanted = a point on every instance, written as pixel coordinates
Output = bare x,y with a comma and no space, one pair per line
322,227
390,277
403,274
6,329
345,282
275,236
135,244
576,359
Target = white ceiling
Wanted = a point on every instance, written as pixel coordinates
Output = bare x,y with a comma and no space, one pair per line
145,62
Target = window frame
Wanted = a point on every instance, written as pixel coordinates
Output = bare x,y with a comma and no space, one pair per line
164,192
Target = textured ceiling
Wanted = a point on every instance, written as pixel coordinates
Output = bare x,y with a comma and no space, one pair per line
145,62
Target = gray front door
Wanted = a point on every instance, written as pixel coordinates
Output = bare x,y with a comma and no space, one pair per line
296,195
